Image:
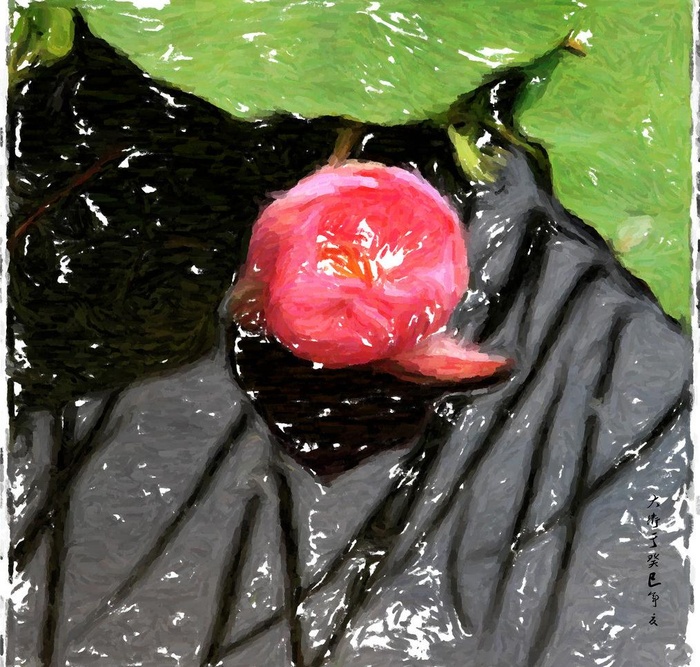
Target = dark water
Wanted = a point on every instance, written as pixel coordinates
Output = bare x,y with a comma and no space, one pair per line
122,275
132,205
152,193
331,419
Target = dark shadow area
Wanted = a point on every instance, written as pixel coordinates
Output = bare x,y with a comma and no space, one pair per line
331,419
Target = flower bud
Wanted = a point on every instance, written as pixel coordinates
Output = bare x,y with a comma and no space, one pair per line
358,264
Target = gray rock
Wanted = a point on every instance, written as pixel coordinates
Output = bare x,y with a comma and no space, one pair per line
517,533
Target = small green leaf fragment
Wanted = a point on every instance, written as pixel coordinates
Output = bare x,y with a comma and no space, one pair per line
41,36
477,164
60,33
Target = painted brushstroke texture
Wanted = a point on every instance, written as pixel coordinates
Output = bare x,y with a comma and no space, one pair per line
513,534
616,124
164,523
361,263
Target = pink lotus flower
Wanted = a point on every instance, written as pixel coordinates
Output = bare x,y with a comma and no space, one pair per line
362,264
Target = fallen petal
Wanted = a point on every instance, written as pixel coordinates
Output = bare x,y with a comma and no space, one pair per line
442,358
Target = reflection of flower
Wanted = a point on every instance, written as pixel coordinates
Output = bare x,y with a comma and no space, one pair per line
357,264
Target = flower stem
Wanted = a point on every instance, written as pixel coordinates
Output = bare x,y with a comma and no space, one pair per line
76,181
347,138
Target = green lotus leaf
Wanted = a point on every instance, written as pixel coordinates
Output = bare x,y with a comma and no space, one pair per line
387,62
617,127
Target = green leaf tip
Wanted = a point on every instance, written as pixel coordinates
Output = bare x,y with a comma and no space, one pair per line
41,35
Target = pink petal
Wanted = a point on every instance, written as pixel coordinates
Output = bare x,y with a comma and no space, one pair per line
441,358
329,326
354,265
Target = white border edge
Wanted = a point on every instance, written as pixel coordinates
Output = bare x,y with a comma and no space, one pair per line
693,627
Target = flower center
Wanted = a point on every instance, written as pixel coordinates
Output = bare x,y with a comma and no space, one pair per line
347,260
